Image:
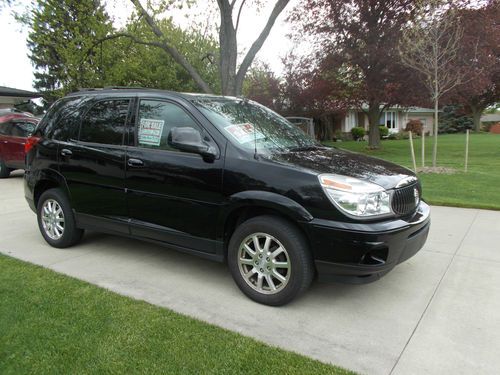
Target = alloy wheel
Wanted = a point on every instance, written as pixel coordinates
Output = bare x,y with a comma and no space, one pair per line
264,263
53,219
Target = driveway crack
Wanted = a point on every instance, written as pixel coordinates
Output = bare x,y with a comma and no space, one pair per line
434,292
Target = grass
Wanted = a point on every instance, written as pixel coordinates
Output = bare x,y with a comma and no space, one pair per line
54,324
478,188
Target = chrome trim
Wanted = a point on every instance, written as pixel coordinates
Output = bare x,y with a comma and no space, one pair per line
406,181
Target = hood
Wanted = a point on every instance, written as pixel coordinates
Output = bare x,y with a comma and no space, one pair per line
352,164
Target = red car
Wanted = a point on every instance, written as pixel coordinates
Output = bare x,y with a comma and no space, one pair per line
15,129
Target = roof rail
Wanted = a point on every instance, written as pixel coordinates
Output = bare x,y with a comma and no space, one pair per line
109,88
123,87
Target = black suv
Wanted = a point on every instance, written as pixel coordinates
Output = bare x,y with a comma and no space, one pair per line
223,178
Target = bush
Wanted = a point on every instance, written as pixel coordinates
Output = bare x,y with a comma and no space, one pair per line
414,126
400,135
384,131
358,132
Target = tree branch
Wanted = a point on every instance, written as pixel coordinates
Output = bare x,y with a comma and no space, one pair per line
171,50
239,14
257,44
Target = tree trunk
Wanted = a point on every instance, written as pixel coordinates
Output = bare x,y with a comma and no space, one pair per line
476,116
228,50
373,119
435,131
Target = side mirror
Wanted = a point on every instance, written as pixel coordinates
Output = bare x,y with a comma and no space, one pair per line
189,140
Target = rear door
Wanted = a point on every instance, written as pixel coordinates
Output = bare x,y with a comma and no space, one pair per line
94,165
173,196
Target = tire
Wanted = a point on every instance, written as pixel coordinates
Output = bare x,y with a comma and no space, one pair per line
4,171
54,208
266,263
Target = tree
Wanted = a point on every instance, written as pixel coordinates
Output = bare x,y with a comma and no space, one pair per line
231,76
59,40
479,56
431,47
360,36
263,86
152,67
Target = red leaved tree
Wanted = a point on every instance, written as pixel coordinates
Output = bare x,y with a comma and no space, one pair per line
358,39
479,56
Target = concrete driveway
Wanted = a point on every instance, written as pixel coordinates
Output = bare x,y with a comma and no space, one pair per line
438,313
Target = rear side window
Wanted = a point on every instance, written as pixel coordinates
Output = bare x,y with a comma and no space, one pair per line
156,119
5,128
22,129
105,122
62,120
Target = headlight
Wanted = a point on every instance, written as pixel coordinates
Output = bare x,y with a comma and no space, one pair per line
356,197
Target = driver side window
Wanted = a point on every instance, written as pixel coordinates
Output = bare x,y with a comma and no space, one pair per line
156,119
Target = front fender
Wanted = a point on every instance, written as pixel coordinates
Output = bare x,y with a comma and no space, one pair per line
278,202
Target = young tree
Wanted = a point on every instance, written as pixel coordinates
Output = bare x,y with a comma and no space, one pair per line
230,12
361,35
61,33
431,47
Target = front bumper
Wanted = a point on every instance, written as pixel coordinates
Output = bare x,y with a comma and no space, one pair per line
364,252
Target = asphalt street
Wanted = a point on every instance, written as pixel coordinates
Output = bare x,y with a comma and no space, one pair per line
438,313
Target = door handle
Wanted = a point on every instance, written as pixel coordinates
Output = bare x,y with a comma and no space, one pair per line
135,163
66,152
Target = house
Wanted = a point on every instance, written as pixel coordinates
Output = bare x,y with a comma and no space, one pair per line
395,118
491,117
9,97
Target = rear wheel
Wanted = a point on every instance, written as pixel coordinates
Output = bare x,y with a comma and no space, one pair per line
56,219
269,260
4,171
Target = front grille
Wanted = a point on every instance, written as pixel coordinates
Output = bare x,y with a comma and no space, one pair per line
406,199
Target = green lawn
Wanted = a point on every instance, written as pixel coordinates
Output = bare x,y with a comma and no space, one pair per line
479,187
54,324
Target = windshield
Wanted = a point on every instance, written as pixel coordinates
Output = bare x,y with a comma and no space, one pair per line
253,126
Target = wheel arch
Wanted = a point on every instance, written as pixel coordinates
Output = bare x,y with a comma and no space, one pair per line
49,179
249,204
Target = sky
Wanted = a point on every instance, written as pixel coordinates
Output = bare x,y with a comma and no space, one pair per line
16,69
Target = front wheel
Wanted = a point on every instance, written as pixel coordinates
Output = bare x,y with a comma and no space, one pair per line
269,260
56,219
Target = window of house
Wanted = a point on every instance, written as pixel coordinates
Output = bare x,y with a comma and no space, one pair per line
388,118
156,119
105,122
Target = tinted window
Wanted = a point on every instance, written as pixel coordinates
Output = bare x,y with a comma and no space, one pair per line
22,129
5,128
67,124
105,122
156,119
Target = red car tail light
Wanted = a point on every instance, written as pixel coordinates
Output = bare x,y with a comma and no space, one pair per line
30,143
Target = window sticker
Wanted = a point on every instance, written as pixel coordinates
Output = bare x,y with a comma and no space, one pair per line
150,131
244,133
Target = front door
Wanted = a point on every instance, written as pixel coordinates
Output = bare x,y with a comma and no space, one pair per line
173,196
94,165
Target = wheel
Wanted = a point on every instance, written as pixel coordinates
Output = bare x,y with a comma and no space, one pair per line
56,219
269,260
4,171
